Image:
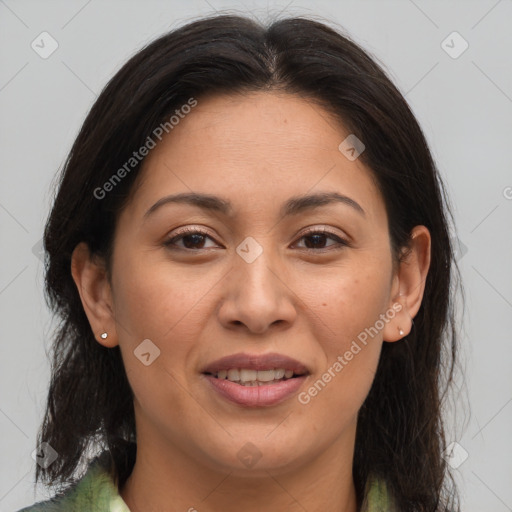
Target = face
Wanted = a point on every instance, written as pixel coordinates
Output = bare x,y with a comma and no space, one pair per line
312,286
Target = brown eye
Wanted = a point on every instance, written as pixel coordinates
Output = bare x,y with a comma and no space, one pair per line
193,238
318,237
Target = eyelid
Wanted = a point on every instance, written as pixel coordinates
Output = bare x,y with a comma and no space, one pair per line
189,230
322,229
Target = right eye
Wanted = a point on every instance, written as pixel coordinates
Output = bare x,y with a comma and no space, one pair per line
191,238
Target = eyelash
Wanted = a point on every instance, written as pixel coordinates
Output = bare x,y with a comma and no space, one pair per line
196,231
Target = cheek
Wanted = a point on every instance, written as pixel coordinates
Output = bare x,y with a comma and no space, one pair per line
157,299
348,303
154,301
351,350
349,329
170,306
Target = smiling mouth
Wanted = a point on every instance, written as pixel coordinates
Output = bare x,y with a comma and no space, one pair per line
250,378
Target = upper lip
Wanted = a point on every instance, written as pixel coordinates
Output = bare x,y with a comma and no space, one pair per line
256,362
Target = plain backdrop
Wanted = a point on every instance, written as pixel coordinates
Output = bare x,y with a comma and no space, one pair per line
459,87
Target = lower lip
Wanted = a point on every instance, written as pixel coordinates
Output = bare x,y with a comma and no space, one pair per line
256,396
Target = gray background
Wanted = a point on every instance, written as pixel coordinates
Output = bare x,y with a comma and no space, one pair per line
464,105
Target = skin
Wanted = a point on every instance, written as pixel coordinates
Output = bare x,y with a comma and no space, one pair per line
255,150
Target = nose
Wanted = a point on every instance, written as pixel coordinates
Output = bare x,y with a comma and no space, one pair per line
257,296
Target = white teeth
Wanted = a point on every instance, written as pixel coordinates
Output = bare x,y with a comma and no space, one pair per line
266,375
254,377
248,375
279,373
234,374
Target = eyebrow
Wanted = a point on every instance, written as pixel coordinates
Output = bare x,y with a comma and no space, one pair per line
293,206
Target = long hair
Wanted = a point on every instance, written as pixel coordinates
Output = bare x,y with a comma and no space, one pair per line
400,431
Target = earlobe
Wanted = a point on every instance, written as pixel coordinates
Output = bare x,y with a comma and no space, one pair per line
409,285
93,286
400,323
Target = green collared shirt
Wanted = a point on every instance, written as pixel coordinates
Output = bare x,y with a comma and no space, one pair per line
96,491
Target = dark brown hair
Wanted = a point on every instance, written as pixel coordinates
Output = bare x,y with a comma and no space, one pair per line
400,431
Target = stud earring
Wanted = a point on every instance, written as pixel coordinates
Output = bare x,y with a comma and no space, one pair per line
104,336
400,331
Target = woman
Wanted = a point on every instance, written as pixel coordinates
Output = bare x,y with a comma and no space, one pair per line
250,254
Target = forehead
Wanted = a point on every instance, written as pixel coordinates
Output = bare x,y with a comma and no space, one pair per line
256,149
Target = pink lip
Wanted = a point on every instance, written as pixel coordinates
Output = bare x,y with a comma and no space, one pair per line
257,362
256,396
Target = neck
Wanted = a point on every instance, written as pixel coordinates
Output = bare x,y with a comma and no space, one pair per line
164,478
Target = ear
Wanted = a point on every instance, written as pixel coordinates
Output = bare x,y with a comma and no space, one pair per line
91,279
409,285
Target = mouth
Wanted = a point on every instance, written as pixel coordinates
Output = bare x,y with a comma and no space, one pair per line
256,381
250,377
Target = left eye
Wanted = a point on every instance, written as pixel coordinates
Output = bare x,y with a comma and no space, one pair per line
195,238
318,235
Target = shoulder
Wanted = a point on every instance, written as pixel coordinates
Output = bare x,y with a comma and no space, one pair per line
53,505
95,491
58,503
